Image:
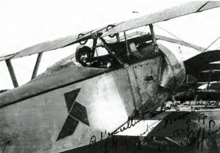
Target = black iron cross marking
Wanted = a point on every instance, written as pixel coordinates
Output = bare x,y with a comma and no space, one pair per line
77,112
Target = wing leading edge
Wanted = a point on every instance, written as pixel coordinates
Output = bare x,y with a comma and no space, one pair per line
178,11
189,8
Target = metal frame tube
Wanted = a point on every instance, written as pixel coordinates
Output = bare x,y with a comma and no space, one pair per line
37,64
12,73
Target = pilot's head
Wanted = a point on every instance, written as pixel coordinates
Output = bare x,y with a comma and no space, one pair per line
83,55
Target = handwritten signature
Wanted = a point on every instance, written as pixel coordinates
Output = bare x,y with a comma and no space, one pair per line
193,135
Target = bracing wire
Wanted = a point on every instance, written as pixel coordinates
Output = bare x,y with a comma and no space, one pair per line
186,42
211,44
175,36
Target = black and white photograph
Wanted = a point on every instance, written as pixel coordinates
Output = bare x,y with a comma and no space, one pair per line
109,76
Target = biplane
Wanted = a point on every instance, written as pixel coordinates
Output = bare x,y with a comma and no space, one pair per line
105,107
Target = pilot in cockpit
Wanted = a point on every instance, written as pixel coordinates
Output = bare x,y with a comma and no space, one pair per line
83,56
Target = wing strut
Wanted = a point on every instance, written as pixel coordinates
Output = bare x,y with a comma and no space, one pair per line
110,52
153,37
126,43
37,64
94,46
11,72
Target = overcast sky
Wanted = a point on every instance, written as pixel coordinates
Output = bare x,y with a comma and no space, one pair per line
25,23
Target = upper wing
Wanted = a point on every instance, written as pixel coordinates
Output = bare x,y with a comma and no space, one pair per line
189,8
42,47
51,45
3,58
55,44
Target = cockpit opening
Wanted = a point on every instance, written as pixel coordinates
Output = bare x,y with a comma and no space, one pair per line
84,57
